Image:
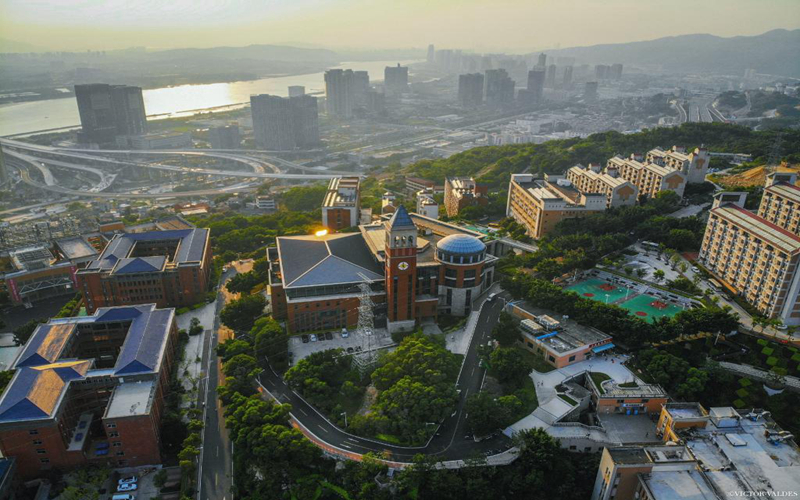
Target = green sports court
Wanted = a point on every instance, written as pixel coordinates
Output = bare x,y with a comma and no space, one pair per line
646,307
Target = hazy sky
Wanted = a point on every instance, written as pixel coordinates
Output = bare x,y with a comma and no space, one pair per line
479,25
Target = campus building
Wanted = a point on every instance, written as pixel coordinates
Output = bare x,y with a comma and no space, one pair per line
716,454
412,266
168,268
539,204
780,203
415,184
630,398
90,390
342,203
559,346
754,257
462,192
649,178
694,166
590,179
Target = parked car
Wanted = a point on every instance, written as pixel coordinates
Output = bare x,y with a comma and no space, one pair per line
328,336
127,487
695,270
350,350
345,333
491,297
305,339
313,338
127,480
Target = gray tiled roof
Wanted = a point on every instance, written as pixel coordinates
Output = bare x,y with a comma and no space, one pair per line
331,259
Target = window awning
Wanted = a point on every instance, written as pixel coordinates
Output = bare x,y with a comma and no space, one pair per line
602,348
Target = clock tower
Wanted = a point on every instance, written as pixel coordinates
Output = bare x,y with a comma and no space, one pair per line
401,270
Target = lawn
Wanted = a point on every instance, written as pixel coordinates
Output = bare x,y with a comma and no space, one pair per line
527,394
537,362
598,378
568,399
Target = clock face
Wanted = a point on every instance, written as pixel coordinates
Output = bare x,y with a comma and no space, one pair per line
402,266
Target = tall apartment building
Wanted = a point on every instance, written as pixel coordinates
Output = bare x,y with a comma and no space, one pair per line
281,123
757,256
462,192
395,79
108,111
167,268
542,61
226,137
780,203
567,81
649,178
498,88
618,192
616,71
550,76
536,78
3,171
540,204
710,455
431,54
426,204
339,93
90,390
296,90
590,91
470,89
694,165
601,71
342,203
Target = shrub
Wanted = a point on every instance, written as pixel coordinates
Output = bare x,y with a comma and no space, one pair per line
745,382
739,403
780,371
772,361
742,393
767,351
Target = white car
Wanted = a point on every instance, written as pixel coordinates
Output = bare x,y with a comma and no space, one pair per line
313,338
127,480
127,487
491,297
345,333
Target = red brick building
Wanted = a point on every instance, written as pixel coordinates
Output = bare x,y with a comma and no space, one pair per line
90,390
416,267
342,203
462,192
166,268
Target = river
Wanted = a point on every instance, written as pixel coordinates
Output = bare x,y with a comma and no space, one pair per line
25,117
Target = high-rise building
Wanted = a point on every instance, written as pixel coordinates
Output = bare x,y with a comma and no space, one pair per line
567,82
360,87
590,91
283,123
498,88
108,111
226,137
296,90
431,54
536,78
601,71
470,89
3,171
616,71
395,78
619,192
693,165
550,78
339,93
649,178
542,60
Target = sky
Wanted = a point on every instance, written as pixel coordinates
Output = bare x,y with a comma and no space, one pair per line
479,25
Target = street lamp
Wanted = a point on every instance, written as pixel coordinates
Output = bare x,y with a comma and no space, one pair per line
345,417
606,298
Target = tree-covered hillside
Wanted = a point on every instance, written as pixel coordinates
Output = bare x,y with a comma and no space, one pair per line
495,164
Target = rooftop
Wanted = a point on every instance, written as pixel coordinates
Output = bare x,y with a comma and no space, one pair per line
184,246
131,399
614,391
342,192
760,228
686,410
678,485
75,248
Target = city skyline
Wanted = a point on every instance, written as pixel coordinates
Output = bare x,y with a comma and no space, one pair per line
75,25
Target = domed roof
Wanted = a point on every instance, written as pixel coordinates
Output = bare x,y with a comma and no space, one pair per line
461,244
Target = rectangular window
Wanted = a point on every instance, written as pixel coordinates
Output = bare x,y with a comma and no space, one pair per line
571,358
116,443
37,441
41,451
33,432
111,425
120,453
113,435
44,460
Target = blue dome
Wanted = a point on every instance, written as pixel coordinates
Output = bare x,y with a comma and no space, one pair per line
461,244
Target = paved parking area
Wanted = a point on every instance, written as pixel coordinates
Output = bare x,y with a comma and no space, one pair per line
380,338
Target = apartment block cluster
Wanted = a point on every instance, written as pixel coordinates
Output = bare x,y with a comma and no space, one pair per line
705,454
757,255
540,203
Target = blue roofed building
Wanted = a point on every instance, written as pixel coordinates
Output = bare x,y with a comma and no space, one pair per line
89,389
416,268
168,268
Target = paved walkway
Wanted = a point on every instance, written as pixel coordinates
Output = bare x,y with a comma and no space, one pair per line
758,374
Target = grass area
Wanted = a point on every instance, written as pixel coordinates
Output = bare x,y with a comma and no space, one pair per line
629,385
389,438
568,399
537,362
527,394
598,378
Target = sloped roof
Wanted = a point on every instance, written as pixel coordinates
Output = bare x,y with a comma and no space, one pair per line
144,345
191,247
34,392
140,265
401,219
330,259
45,345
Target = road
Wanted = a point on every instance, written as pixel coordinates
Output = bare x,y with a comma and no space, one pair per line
448,444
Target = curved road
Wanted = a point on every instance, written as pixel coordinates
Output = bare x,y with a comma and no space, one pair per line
448,444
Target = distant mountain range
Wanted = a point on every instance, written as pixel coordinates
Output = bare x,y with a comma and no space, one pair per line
252,52
775,52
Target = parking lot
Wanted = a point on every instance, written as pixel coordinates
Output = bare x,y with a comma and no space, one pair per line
354,342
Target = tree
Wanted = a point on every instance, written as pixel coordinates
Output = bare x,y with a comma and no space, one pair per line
674,260
241,314
659,275
240,372
509,365
487,413
195,328
506,332
24,332
628,270
641,272
271,341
